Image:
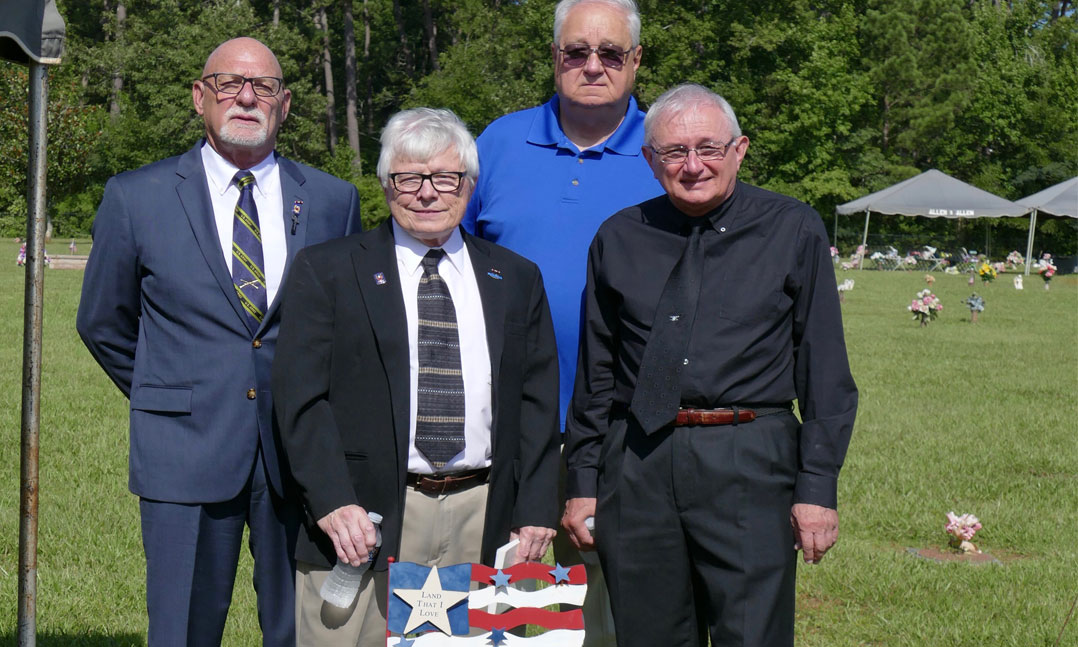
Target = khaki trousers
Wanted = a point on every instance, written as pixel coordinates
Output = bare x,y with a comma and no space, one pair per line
439,530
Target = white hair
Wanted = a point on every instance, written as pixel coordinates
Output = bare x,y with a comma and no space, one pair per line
683,98
420,134
628,7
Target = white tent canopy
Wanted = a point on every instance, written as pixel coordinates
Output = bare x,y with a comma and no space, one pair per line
1058,200
933,194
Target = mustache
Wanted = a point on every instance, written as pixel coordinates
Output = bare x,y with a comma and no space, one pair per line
246,111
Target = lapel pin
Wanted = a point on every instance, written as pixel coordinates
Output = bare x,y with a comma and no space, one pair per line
297,206
380,278
495,273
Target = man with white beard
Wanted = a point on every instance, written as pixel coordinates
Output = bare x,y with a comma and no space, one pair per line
180,308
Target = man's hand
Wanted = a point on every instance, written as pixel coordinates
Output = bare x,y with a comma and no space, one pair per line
576,511
815,530
352,533
534,540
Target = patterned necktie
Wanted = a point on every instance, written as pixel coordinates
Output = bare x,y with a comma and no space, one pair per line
439,423
248,272
658,384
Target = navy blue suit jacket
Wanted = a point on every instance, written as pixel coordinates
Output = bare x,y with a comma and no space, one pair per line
159,312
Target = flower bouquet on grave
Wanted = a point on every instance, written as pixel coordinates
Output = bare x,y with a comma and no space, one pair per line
925,307
961,529
976,304
1046,268
986,272
843,288
1015,259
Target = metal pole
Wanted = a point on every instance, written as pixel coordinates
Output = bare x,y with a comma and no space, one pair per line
1029,243
864,243
31,356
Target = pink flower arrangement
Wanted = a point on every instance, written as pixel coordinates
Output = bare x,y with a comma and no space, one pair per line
961,529
925,306
1046,268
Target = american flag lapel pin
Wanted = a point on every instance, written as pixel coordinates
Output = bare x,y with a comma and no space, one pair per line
495,273
379,278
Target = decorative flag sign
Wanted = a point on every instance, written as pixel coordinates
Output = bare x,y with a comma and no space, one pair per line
438,607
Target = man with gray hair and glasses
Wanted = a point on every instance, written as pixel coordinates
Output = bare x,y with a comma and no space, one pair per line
707,312
553,173
416,378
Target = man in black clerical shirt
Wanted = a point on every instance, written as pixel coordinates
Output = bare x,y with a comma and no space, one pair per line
707,312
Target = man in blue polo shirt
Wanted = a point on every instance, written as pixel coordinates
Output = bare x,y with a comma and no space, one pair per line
550,175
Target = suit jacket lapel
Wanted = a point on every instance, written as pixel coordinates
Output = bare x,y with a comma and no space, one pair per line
293,197
195,200
375,264
492,293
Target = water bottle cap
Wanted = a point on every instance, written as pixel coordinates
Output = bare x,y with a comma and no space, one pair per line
375,518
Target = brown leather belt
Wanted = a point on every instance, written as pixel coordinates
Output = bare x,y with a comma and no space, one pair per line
731,416
446,483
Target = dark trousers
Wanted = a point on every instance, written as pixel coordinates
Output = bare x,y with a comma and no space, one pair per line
192,551
696,536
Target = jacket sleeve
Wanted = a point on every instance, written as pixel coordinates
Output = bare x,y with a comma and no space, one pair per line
301,378
108,315
539,452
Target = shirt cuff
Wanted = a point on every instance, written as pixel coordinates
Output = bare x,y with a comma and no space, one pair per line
817,490
582,483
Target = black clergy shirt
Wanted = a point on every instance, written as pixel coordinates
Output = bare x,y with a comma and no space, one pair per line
768,327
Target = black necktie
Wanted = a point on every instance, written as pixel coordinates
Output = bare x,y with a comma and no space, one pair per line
248,273
439,423
658,383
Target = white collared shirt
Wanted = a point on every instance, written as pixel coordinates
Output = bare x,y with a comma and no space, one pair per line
456,270
267,193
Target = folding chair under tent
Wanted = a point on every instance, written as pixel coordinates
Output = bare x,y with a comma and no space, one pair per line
932,194
1057,200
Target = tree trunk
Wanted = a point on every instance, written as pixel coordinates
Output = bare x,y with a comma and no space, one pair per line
406,52
322,23
432,35
117,74
369,97
276,13
350,83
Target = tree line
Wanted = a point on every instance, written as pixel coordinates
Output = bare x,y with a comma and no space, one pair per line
839,97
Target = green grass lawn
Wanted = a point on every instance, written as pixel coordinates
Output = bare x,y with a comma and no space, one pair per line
978,418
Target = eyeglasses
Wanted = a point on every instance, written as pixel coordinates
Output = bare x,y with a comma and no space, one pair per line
707,152
263,86
577,55
442,181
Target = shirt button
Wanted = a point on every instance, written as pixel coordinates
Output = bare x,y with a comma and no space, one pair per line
250,394
576,182
256,343
580,160
722,228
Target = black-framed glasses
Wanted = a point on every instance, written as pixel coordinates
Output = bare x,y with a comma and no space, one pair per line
706,152
577,55
263,86
442,181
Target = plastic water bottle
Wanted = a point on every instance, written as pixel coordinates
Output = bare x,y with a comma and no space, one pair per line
341,586
590,556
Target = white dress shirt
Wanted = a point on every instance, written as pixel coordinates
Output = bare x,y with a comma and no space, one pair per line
224,194
456,270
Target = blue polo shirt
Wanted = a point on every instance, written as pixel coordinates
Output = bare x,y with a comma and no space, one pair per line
542,197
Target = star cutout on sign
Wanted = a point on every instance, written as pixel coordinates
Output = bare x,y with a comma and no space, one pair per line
497,637
500,578
560,573
430,603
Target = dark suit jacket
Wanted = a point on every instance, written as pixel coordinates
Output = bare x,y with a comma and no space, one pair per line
160,314
342,388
